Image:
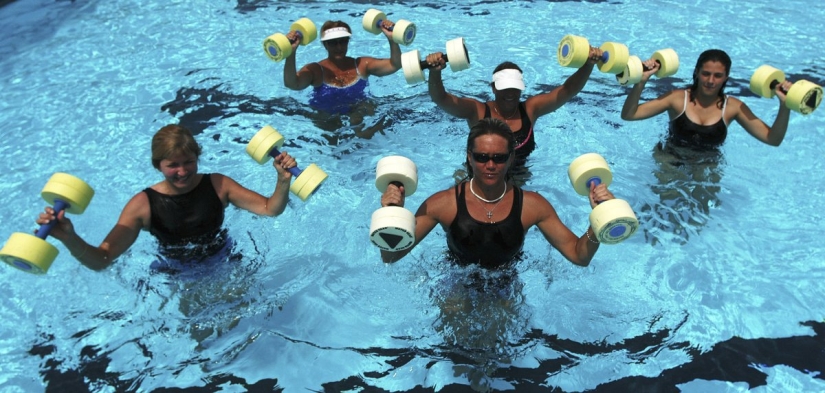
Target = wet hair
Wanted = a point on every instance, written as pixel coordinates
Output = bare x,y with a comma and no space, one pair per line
334,23
507,65
172,140
489,126
706,56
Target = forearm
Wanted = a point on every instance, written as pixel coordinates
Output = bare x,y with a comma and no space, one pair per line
276,204
631,103
586,247
777,132
395,55
575,83
90,256
291,73
435,86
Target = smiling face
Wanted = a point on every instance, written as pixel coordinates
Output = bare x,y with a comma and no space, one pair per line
179,170
507,99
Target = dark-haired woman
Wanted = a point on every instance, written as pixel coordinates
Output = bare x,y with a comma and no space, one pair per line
688,158
486,217
700,114
339,82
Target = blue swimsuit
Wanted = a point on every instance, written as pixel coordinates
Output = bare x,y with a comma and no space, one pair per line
338,99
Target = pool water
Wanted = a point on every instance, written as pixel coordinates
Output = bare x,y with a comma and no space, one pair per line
720,290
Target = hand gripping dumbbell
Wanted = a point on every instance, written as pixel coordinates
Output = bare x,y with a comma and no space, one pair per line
803,96
457,57
393,227
277,47
403,31
613,220
632,74
574,51
32,253
265,144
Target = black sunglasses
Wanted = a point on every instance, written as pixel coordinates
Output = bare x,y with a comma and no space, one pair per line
484,157
337,41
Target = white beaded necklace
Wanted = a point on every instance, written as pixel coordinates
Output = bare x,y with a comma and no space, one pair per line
487,200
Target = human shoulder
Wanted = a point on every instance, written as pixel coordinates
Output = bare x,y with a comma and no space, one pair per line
137,212
533,198
535,208
440,205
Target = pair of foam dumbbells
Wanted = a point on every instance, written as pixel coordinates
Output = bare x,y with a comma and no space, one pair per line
573,51
278,47
393,228
33,254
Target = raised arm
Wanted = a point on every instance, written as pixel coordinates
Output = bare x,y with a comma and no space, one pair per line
297,80
772,135
383,67
231,192
542,104
578,250
632,110
133,218
463,108
428,215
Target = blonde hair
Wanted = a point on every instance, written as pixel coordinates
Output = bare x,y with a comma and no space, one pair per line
172,140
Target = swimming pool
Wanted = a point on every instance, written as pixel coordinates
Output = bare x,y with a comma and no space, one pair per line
728,303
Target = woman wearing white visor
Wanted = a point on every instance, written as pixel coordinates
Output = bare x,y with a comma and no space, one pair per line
339,82
507,86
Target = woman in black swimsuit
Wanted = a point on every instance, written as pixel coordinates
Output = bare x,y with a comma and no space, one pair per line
487,217
689,156
185,209
507,85
700,114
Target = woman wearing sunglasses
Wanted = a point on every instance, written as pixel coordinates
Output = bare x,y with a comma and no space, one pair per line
339,82
486,217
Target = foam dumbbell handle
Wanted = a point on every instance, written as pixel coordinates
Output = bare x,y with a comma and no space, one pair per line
397,184
295,171
424,65
45,229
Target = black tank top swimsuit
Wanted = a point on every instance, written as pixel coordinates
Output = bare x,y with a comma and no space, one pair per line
685,133
491,245
525,143
180,222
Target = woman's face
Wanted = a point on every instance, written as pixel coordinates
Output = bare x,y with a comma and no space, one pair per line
490,159
179,170
508,98
711,76
337,47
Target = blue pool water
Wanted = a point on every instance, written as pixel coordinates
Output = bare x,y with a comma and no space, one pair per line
721,289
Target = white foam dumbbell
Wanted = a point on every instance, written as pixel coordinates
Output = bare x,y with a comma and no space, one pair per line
393,227
457,57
